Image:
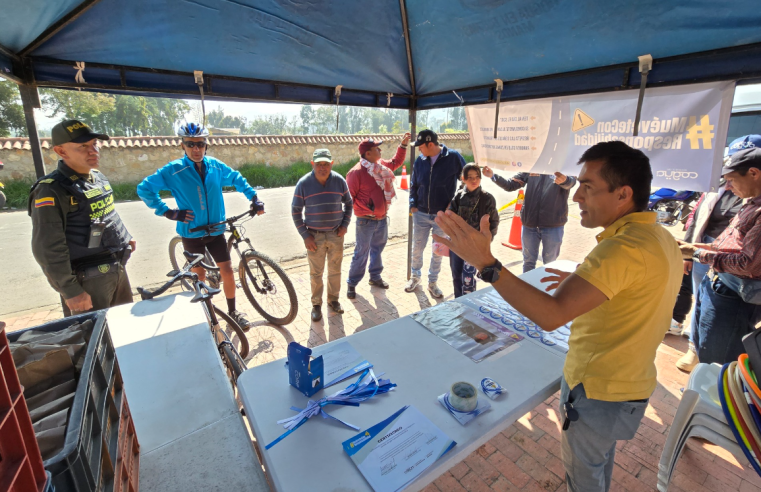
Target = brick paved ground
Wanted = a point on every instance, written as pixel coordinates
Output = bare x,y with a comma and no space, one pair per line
526,456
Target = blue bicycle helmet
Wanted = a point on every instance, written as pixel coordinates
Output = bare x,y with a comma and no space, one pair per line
192,130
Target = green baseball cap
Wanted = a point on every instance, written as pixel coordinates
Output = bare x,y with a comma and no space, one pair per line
322,155
74,131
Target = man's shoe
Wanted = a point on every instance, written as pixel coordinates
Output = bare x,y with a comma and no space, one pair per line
316,313
241,320
411,284
379,283
350,292
336,307
688,361
686,330
675,329
435,291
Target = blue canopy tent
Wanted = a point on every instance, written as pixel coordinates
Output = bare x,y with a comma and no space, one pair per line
409,54
423,54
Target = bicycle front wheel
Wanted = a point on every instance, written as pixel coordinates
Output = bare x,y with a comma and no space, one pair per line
242,342
268,288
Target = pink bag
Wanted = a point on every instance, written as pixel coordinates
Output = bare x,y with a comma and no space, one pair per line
440,249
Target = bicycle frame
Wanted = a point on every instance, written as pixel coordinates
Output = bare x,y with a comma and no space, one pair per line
204,293
238,238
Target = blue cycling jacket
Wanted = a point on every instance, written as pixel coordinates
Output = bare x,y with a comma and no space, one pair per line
204,199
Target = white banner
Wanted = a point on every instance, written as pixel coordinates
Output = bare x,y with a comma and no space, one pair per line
682,130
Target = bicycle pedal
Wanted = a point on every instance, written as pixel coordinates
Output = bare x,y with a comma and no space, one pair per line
237,285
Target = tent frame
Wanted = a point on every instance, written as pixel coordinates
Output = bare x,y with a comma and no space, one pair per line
738,63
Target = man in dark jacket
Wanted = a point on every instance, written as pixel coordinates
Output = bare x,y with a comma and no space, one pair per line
435,175
544,213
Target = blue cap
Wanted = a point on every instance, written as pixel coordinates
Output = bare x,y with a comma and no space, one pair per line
746,142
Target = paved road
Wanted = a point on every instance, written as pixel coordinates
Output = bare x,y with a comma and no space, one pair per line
26,288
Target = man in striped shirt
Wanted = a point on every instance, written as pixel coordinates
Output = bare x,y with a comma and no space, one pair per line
322,211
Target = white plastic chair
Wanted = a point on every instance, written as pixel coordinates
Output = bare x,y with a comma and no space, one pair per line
697,427
699,415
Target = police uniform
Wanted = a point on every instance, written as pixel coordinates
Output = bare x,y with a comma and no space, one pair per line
78,238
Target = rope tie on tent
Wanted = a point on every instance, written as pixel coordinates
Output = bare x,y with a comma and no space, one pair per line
496,114
645,65
338,98
462,101
79,78
198,74
388,99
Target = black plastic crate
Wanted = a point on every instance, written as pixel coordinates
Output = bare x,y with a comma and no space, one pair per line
87,462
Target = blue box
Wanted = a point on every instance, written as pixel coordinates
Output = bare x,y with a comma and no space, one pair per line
305,373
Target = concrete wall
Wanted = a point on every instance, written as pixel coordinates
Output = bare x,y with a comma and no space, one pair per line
129,160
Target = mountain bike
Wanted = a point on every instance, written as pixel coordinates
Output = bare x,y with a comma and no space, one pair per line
266,285
231,354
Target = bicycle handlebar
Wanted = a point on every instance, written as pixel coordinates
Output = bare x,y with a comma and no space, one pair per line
202,290
209,227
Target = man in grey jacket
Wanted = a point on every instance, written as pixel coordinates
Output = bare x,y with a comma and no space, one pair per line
544,213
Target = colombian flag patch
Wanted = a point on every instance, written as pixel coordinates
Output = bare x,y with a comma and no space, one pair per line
44,202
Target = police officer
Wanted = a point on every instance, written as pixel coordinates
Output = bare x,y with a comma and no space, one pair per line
78,238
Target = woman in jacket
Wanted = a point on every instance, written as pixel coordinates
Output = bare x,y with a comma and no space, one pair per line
471,203
710,217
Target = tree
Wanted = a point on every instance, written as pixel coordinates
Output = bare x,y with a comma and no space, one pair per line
116,115
307,115
196,113
218,119
459,120
269,125
324,120
11,112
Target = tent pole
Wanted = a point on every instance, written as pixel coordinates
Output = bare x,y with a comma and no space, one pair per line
413,120
413,131
30,99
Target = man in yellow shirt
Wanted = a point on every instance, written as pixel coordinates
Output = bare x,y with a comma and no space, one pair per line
620,300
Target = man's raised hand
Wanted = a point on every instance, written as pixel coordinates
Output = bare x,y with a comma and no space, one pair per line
469,244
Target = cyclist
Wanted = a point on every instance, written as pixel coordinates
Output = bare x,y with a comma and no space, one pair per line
196,183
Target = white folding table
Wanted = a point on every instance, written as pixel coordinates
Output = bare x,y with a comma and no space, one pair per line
423,366
192,436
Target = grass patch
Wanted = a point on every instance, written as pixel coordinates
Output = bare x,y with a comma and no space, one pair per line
17,190
277,177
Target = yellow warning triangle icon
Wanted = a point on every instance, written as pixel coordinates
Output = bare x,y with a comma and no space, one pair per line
581,120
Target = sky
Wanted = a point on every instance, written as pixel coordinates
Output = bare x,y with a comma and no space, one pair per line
747,97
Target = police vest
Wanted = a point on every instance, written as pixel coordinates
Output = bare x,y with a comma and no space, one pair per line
91,202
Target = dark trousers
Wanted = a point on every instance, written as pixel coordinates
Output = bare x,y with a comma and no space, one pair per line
463,275
106,290
721,320
683,299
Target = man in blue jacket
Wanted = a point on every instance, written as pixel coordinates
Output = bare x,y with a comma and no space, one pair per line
435,176
196,183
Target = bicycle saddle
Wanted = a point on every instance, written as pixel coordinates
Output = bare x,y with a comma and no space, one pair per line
203,292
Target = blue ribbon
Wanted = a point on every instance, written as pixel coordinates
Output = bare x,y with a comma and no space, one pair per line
352,395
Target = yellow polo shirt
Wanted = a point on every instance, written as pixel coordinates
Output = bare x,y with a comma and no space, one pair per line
638,266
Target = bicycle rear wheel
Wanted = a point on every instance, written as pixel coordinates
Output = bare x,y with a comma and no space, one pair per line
242,344
268,288
177,258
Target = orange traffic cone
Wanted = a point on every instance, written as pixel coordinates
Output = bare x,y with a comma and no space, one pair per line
514,242
404,184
